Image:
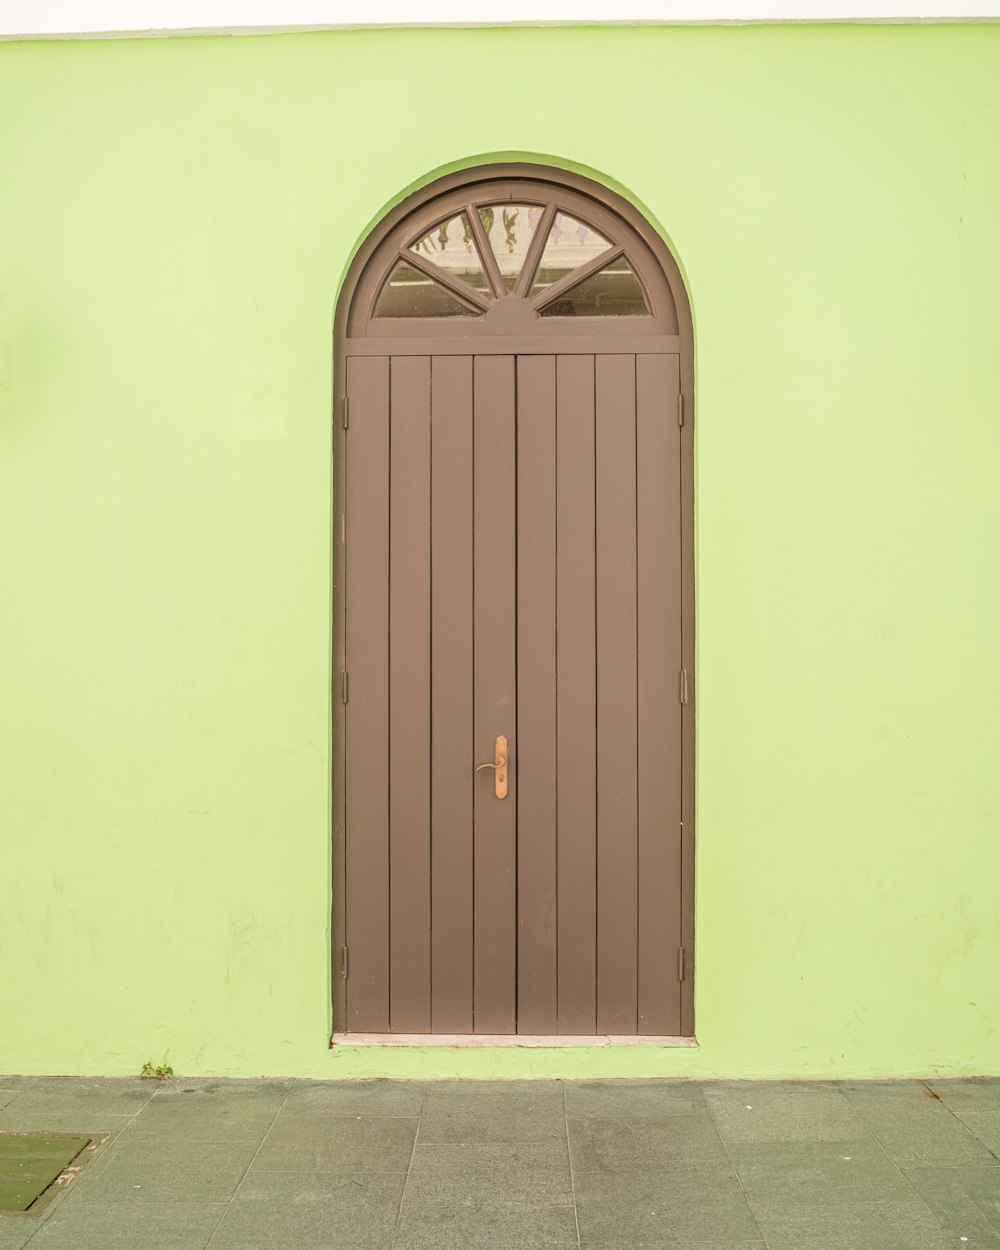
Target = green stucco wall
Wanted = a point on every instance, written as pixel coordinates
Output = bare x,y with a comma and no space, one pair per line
176,218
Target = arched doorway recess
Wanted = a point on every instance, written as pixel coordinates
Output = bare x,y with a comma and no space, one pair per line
513,727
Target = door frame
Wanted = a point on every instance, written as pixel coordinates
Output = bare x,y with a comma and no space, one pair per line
561,180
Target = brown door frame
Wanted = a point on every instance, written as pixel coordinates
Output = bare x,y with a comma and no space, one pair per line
360,285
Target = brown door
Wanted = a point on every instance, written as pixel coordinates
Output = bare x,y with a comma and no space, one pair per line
513,578
513,570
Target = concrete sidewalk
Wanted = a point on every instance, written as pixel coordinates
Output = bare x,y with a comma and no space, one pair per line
617,1165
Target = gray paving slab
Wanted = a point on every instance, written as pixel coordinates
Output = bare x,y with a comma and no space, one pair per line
498,1126
498,1173
166,1172
312,1211
818,1172
485,1226
355,1191
674,1245
198,1128
128,1226
249,1095
493,1097
919,1131
207,1115
979,1093
783,1112
984,1125
463,1165
684,1206
84,1120
246,1088
902,1225
966,1200
14,1237
635,1098
645,1144
322,1143
903,1091
391,1098
117,1094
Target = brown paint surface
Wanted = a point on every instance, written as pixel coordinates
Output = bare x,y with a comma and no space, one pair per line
451,867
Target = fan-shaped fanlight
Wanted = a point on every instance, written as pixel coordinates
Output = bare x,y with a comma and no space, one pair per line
555,261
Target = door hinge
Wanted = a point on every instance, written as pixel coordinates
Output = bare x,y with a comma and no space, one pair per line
680,408
684,685
680,963
343,963
343,691
345,410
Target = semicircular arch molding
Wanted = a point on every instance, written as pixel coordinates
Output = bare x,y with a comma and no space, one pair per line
513,250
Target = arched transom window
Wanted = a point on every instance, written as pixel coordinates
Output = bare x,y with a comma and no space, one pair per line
509,256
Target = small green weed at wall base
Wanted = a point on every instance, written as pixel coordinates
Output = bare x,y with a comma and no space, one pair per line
161,1073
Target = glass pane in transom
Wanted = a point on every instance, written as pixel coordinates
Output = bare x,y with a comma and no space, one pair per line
509,228
571,243
411,293
450,245
613,291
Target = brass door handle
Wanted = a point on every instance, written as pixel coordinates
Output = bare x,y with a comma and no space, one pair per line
499,766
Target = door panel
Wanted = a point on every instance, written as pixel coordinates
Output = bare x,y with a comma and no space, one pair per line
658,507
367,714
513,530
451,695
617,809
409,694
576,696
495,626
536,689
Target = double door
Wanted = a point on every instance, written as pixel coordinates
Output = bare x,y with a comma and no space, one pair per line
513,572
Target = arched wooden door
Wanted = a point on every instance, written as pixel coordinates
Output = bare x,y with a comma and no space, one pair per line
513,644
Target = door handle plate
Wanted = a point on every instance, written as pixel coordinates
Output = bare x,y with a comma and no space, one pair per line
501,756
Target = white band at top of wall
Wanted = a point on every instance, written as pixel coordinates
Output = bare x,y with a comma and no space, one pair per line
70,18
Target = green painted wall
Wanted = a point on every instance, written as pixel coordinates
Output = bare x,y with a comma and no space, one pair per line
175,220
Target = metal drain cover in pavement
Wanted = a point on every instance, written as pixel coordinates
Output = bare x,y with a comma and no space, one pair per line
30,1162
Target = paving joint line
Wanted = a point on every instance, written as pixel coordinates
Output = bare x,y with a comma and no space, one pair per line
968,1127
905,1179
246,1171
57,1202
729,1157
569,1160
409,1169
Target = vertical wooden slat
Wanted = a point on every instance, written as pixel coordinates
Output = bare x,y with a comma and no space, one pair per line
409,695
536,694
659,710
576,696
688,710
495,710
616,696
451,695
367,723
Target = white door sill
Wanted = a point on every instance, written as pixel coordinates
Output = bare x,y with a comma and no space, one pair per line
498,1039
